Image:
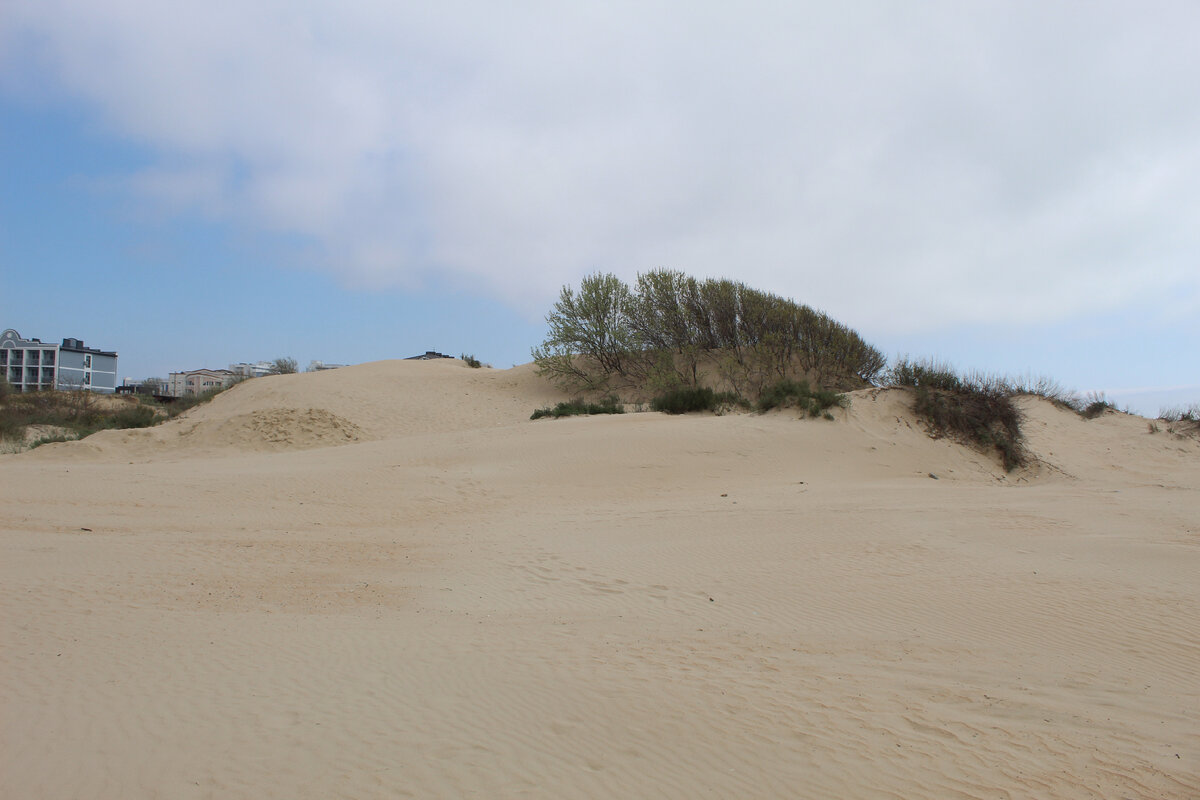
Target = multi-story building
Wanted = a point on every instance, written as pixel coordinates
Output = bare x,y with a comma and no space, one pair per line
258,370
320,366
199,381
32,365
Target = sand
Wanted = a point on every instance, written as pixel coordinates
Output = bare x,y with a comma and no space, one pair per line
386,581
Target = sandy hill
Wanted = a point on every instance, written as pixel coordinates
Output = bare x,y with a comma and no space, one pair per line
380,400
386,581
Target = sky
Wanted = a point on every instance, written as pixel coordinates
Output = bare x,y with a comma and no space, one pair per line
1011,187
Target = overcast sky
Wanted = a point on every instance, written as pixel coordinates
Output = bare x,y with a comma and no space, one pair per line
1014,186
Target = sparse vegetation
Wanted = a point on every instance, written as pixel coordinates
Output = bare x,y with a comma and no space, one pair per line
76,414
1180,413
1094,406
1182,420
284,366
53,438
570,408
471,361
976,410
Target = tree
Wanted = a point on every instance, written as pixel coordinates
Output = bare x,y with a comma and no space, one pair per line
672,330
590,337
283,366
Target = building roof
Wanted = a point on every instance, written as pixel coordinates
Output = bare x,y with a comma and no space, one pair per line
11,338
429,355
76,346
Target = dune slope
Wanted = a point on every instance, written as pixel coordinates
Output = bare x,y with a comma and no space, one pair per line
386,581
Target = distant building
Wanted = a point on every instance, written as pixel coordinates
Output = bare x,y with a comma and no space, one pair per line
32,365
151,386
199,381
430,355
318,366
256,370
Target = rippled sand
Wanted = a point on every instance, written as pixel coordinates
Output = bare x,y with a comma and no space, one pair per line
385,581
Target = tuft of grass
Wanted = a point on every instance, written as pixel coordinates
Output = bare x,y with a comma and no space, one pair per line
1180,413
788,393
1182,420
1094,406
471,361
686,399
978,410
573,408
53,439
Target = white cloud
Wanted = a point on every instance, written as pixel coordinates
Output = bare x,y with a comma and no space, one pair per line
915,165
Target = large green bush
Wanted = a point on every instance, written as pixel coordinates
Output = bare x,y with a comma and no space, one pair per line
671,329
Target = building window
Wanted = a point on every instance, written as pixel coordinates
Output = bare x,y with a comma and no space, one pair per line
87,362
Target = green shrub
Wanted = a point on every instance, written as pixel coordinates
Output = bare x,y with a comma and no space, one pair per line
787,393
686,399
978,409
572,408
1095,406
471,361
135,416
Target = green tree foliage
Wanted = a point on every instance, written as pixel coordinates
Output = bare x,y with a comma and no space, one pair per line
590,336
670,327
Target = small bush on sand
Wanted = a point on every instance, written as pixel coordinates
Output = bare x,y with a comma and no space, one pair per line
573,408
471,361
136,416
1181,420
686,399
975,410
1095,405
788,393
52,439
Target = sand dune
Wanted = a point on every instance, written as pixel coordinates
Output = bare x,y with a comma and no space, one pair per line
387,581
